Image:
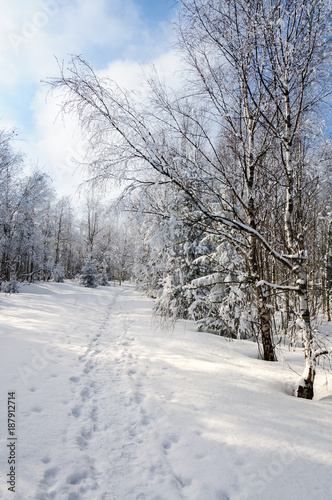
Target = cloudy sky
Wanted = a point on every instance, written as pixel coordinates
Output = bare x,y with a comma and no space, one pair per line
116,36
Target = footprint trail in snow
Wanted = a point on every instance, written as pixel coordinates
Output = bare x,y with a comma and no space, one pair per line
111,409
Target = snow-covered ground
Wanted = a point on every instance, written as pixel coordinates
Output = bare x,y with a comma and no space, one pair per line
109,407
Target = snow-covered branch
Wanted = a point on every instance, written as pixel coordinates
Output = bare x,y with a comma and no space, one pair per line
277,287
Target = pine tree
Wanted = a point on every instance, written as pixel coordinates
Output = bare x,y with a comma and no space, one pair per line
89,275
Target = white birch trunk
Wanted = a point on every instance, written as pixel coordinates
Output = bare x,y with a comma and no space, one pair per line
306,385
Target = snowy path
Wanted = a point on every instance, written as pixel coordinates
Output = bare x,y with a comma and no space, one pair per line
110,409
116,428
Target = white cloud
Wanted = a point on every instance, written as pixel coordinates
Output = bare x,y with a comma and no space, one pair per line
32,32
109,31
130,74
57,139
58,142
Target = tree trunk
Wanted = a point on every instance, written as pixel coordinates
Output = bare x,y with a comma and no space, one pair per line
306,385
5,267
265,324
264,314
263,310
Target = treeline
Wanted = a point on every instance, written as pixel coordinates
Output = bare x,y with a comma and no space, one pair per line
45,237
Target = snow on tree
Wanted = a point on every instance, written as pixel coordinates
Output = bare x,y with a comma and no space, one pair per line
89,275
235,145
11,286
222,297
58,273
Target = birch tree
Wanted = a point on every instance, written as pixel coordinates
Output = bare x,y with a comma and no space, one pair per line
283,76
297,55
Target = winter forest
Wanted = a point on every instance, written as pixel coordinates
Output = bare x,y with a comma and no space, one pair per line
166,332
225,214
44,237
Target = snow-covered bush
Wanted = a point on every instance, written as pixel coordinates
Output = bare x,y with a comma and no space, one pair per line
58,273
10,286
89,274
171,302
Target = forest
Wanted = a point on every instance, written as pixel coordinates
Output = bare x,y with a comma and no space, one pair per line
225,210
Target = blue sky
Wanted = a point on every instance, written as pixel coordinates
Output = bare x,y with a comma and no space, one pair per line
115,36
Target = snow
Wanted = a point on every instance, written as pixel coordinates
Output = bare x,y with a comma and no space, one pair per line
109,407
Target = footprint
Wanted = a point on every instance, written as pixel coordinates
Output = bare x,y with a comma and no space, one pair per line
85,393
75,379
86,433
88,367
94,414
77,476
46,460
50,476
169,440
222,495
37,409
145,420
137,398
132,433
76,411
82,443
166,445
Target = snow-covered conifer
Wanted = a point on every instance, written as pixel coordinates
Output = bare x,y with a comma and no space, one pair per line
89,274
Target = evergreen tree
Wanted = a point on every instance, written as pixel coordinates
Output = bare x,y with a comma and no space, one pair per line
89,274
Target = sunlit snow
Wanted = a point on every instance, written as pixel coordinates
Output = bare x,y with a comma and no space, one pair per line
111,407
